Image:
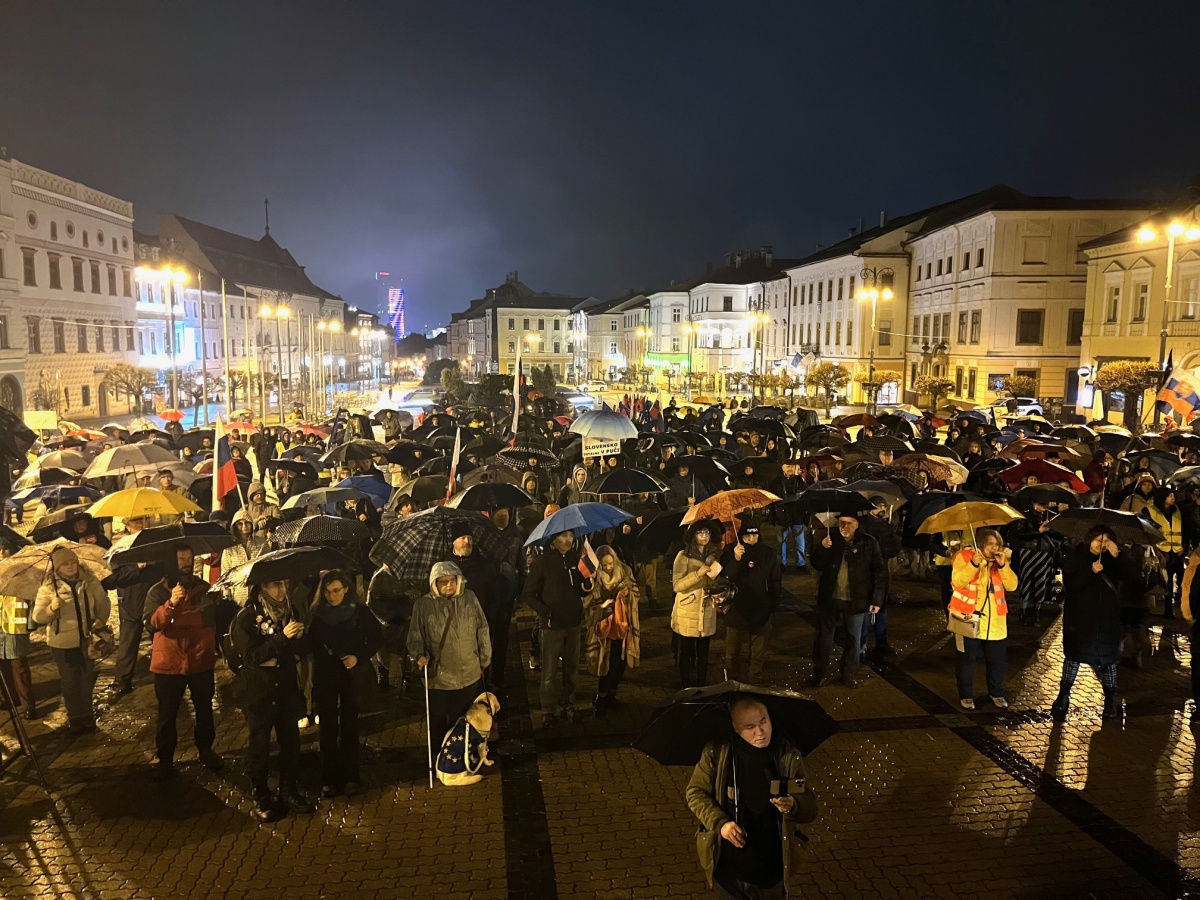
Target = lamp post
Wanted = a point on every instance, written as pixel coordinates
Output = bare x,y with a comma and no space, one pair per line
690,330
644,334
877,284
1175,231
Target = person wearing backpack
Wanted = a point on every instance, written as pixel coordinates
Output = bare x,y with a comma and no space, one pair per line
614,629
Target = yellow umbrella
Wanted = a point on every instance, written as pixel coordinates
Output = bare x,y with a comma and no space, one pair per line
137,502
969,516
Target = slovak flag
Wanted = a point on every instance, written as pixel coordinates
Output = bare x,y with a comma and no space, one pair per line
589,565
224,474
454,463
1180,394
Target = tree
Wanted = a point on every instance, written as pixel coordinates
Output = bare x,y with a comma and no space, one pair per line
433,372
137,382
829,378
235,388
1131,378
493,391
872,383
542,378
1020,386
933,385
452,381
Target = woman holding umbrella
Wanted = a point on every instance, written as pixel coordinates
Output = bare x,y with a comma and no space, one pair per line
694,616
1093,573
71,603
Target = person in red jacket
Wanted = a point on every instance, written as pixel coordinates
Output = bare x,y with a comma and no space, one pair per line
182,620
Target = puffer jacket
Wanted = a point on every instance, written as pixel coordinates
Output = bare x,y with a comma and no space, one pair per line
468,647
79,605
693,614
240,553
185,638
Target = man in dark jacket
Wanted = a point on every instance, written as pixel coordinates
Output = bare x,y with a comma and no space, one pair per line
131,582
879,526
789,484
852,582
183,622
754,570
554,590
270,640
482,576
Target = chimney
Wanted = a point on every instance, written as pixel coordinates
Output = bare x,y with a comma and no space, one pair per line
882,218
862,225
737,260
852,230
729,260
768,255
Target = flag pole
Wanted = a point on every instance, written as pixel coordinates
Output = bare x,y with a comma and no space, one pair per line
225,349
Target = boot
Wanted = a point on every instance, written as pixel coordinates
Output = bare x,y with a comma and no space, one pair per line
1112,705
265,809
295,800
1061,705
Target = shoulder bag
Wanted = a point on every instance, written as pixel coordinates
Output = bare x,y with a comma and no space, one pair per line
433,664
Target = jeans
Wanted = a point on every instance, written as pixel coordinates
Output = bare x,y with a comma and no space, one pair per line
745,652
129,635
169,690
880,628
446,706
827,624
499,620
691,653
337,704
261,720
559,644
794,535
995,656
78,676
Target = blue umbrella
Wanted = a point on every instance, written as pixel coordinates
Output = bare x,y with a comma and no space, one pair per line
56,494
579,519
379,491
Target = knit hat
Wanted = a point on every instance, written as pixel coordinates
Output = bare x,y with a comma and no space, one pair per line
459,529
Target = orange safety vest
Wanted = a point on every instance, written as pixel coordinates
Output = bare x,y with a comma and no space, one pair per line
966,601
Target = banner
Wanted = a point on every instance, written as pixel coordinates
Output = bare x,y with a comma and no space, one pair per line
599,447
41,419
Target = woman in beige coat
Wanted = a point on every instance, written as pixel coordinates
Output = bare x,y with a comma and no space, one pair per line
694,617
614,640
70,603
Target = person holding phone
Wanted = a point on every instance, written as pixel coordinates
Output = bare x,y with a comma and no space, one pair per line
694,615
982,579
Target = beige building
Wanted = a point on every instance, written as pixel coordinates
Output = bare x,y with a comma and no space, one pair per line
1126,309
996,288
66,292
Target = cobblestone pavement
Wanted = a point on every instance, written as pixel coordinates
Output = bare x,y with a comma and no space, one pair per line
917,798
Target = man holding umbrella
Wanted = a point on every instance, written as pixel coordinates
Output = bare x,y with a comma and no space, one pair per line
852,582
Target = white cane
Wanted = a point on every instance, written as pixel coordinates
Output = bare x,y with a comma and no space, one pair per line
428,726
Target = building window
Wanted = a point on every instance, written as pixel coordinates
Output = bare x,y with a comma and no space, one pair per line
928,270
838,334
966,260
937,328
81,337
541,324
525,325
820,291
850,333
67,397
978,265
727,304
976,327
971,377
153,343
917,274
116,338
852,287
1029,326
612,326
126,283
1113,307
1191,297
1027,373
557,347
30,258
95,267
916,332
35,336
939,264
512,324
85,395
914,374
1141,296
100,339
129,337
60,336
85,238
946,327
1074,327
674,345
885,333
828,329
77,274
925,328
949,264
55,271
841,286
676,313
958,381
612,348
4,333
54,231
512,347
112,281
557,325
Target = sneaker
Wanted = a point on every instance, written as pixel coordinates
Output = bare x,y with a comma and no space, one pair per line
163,771
535,663
849,681
211,760
967,703
116,691
1000,702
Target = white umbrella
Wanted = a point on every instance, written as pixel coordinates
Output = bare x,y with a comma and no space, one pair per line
23,573
605,425
126,458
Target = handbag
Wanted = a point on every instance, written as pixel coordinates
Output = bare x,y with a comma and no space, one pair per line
963,626
432,666
101,643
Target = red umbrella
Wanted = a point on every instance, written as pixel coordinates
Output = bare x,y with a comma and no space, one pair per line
171,415
853,419
1046,473
87,435
312,429
242,427
563,420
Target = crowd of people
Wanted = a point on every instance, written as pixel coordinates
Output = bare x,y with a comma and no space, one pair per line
322,563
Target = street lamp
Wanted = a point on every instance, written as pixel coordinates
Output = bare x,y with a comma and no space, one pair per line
876,286
1176,231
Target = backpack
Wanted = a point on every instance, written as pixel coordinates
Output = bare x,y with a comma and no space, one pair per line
615,626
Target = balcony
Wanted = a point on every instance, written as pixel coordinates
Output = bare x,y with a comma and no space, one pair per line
1184,328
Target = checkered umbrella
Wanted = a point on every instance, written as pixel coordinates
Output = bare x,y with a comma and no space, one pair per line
317,531
410,546
517,458
884,442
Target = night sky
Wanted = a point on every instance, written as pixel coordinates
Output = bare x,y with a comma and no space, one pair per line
591,146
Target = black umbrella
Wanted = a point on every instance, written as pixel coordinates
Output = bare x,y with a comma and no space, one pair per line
51,525
321,531
883,443
840,500
691,438
924,505
767,412
288,564
489,496
441,466
322,496
1189,475
1080,433
1043,493
297,466
1129,528
765,427
677,733
195,439
1120,443
484,445
1162,463
410,454
628,481
490,474
160,543
933,448
661,532
12,541
895,494
995,464
713,475
15,436
355,449
425,489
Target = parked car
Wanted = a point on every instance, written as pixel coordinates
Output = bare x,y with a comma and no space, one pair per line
576,399
1027,406
594,387
416,400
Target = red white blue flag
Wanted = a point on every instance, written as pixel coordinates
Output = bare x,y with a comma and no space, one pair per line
588,562
224,474
454,463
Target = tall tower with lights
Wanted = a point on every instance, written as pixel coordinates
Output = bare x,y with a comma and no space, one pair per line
391,301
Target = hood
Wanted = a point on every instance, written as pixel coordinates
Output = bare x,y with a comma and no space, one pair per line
442,569
254,488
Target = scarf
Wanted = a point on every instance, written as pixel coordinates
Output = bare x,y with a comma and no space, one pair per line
620,573
335,615
279,612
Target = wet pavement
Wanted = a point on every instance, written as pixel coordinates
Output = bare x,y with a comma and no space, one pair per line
918,798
